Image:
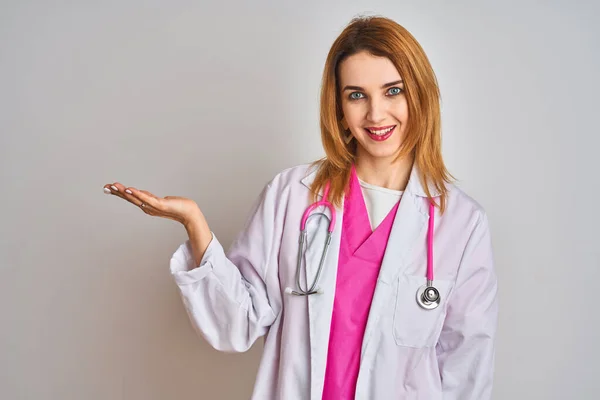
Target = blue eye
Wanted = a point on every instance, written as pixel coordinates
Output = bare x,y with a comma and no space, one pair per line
352,97
396,90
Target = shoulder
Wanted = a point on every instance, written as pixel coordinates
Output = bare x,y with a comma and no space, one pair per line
289,184
463,209
460,198
291,176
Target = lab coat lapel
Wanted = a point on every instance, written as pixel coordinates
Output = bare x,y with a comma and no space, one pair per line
320,306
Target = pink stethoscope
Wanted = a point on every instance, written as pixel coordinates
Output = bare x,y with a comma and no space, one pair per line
428,297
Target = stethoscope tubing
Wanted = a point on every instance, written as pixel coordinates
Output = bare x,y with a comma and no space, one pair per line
427,296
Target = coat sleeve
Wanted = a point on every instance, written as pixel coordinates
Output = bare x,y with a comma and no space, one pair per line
232,299
466,345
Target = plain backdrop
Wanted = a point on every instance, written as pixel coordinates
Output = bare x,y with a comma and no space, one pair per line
210,99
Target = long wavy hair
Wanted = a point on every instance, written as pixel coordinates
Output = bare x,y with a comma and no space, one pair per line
382,37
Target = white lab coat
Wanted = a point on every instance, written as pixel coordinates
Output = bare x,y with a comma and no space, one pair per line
407,353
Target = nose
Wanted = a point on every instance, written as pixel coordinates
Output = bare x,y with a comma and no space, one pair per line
376,111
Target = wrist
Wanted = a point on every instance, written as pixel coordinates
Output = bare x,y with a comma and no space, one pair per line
196,224
199,234
193,219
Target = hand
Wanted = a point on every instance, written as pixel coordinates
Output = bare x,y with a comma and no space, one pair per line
179,209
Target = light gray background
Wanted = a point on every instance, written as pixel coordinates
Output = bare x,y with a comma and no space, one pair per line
209,101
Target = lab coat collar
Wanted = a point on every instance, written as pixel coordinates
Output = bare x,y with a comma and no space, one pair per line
414,185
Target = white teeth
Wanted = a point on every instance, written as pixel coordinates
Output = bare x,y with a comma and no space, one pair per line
381,132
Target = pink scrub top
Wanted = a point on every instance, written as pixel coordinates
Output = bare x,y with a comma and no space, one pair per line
361,253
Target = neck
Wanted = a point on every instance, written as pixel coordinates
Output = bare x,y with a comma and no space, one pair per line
385,173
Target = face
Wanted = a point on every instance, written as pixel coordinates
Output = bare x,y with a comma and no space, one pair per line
373,104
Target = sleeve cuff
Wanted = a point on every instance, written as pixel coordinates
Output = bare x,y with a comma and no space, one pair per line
182,265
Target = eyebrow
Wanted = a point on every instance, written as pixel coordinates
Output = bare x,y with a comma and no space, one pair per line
348,87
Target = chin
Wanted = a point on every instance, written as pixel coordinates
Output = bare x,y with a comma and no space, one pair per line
382,153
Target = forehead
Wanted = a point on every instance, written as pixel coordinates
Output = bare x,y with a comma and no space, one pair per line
366,70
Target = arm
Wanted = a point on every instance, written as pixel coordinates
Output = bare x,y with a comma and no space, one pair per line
229,298
200,236
466,345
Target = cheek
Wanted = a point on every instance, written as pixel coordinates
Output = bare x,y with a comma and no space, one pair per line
349,111
354,113
401,111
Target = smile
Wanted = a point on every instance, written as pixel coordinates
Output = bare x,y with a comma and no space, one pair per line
380,133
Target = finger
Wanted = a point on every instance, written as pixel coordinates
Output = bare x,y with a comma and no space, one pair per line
145,197
147,193
110,189
114,190
121,191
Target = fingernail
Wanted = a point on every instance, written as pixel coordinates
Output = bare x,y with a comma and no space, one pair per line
113,187
106,191
128,191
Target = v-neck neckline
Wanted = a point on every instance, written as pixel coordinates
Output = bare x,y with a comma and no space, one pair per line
360,238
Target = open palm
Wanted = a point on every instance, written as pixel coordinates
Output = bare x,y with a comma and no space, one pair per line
177,208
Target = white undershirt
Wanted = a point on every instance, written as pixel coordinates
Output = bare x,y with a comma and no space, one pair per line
379,201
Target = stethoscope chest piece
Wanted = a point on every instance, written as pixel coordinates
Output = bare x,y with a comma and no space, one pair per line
428,297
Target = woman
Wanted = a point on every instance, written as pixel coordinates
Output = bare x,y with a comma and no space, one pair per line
370,327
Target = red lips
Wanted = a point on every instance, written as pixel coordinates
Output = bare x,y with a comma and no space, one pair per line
381,138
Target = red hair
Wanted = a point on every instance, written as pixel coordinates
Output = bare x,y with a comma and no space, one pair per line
382,37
